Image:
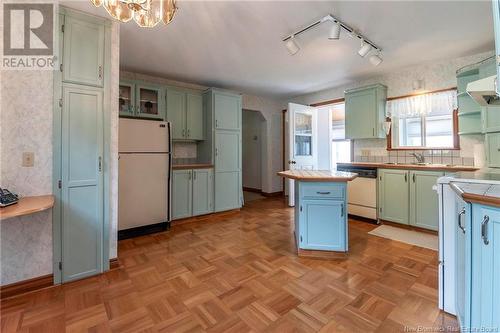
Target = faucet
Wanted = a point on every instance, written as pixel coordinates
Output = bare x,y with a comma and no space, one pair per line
420,157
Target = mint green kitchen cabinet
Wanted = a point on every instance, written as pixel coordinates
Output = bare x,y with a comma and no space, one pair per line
192,193
394,195
496,25
83,51
227,170
423,199
194,116
182,197
491,119
227,108
365,112
176,113
485,269
185,112
149,101
126,98
492,146
462,261
202,191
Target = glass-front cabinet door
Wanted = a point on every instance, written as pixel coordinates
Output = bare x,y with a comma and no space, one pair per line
126,98
149,101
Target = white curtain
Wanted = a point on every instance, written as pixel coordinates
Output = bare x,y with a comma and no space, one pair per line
440,103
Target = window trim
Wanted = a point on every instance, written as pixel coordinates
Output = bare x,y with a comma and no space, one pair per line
456,138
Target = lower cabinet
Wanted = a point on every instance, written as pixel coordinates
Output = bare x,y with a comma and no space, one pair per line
393,195
407,197
424,204
462,261
192,193
485,269
322,216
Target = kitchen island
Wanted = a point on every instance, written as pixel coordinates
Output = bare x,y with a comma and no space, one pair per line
320,212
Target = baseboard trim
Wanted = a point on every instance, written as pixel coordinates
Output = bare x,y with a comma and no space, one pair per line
26,286
204,218
38,283
408,227
114,263
363,219
250,189
143,230
272,194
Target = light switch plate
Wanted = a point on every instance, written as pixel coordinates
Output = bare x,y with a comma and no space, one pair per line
28,159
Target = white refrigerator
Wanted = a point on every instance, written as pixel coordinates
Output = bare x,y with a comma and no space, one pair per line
145,173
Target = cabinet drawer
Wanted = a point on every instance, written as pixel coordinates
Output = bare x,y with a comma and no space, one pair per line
322,191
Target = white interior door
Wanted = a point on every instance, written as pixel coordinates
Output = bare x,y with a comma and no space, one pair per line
302,142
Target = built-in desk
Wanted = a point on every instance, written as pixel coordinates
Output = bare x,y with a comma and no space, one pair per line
27,205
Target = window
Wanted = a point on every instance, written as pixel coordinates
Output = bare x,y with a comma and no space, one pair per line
303,134
340,147
424,121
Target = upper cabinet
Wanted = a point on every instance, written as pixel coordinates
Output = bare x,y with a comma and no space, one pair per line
185,113
83,51
496,24
139,99
227,108
365,112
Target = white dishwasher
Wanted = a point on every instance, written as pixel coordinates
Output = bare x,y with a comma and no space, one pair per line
362,191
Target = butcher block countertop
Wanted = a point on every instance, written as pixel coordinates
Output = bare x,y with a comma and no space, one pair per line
429,167
480,193
27,205
318,175
192,166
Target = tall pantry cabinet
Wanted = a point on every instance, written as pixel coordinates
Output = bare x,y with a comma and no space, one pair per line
223,109
81,147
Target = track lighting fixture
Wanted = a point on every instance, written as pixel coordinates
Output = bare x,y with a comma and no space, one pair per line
375,59
334,33
365,48
292,45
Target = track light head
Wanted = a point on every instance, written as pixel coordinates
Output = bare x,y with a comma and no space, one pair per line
375,59
365,49
292,45
334,31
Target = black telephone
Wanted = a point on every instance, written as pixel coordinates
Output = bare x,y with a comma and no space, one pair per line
7,198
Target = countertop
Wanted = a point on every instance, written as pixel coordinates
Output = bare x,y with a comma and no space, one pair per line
429,167
481,193
27,205
318,175
192,166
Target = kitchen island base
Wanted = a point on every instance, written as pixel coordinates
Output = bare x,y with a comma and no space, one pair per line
321,229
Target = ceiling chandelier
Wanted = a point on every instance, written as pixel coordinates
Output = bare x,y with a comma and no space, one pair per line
146,13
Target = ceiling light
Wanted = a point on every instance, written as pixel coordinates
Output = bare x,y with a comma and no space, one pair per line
365,48
146,13
292,45
375,59
334,31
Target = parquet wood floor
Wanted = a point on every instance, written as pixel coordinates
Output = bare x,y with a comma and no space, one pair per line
240,273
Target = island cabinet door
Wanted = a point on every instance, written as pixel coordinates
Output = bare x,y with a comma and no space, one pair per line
322,225
485,300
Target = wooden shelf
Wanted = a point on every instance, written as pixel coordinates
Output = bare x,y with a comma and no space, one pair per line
27,205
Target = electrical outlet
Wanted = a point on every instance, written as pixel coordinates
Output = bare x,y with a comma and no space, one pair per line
28,159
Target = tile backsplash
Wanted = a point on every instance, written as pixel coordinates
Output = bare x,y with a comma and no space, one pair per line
184,150
451,157
374,150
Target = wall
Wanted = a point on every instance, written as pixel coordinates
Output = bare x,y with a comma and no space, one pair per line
253,128
435,75
26,126
271,111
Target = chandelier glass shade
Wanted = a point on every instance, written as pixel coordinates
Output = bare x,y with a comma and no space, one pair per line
146,13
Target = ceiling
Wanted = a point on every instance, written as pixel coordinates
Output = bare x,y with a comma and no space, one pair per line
237,44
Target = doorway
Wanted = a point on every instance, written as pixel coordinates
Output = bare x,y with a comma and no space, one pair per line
253,138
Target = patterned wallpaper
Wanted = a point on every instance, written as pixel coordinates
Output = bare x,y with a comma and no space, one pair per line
26,126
